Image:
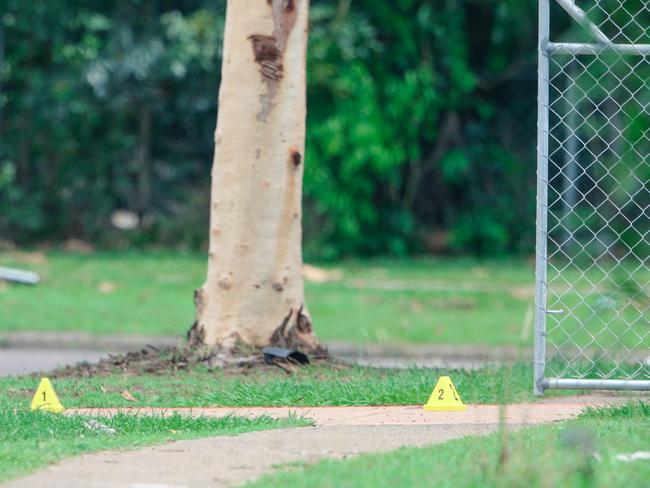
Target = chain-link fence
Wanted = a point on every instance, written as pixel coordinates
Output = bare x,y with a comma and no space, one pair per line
593,217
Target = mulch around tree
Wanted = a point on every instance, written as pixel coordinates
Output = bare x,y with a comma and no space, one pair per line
153,360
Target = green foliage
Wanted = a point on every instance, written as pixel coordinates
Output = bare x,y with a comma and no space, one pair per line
105,107
640,409
421,123
403,99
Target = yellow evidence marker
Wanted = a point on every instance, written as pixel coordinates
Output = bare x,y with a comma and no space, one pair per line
445,397
45,398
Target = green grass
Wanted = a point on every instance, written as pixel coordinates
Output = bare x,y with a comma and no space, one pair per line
31,440
311,386
419,300
427,300
579,453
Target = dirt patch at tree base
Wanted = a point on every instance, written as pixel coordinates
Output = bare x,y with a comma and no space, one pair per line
153,360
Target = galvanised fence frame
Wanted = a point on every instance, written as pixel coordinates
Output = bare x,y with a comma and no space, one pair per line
593,196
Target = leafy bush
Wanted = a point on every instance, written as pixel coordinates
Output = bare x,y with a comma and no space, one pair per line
421,122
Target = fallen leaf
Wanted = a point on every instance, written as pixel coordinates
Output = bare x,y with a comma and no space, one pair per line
106,287
522,292
37,258
103,388
128,397
480,272
78,246
320,275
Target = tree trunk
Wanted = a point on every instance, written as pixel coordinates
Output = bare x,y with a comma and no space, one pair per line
254,290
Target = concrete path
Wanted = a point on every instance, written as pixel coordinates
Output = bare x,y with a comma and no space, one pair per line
21,361
339,432
547,410
229,461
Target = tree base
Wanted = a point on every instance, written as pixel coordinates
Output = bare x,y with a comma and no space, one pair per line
295,333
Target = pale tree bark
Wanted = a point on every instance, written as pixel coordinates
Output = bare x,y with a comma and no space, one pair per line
254,288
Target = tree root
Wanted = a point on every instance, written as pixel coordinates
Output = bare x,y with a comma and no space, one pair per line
296,332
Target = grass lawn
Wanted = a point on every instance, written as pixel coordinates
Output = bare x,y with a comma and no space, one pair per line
427,300
442,301
31,440
311,386
578,453
454,301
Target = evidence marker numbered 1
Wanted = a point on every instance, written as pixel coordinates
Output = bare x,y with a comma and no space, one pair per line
45,398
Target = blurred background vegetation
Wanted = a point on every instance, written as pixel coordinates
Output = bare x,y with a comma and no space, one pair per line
421,140
421,123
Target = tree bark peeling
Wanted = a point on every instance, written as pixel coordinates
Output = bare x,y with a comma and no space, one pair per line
269,50
268,56
296,333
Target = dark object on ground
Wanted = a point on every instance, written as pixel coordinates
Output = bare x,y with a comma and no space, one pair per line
273,353
19,276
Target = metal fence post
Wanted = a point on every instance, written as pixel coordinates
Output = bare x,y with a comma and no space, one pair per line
542,197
